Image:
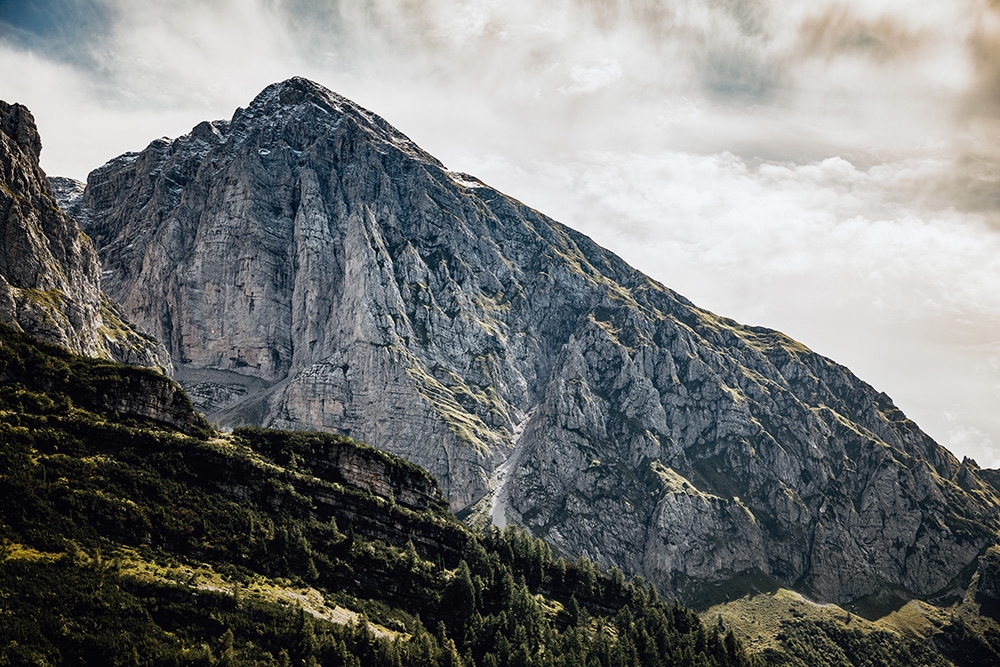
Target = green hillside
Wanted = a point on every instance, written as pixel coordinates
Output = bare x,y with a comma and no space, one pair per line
131,533
784,628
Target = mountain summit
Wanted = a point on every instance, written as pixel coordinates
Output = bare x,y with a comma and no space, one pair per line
308,266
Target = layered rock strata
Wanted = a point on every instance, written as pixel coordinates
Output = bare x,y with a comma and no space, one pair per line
311,267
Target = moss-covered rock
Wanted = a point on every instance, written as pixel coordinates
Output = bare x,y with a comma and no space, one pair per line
989,573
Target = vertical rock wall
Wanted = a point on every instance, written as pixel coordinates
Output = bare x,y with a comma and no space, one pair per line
50,278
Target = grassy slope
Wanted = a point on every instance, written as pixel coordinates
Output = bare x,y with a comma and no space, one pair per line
129,541
787,629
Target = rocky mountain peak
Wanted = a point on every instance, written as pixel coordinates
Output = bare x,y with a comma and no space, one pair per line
295,92
19,125
49,271
308,266
309,105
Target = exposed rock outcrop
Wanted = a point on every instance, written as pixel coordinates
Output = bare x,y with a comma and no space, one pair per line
358,286
50,278
989,573
95,384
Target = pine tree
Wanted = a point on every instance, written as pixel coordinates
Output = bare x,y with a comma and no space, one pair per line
458,602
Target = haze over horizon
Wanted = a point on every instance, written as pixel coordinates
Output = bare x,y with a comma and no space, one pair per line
830,169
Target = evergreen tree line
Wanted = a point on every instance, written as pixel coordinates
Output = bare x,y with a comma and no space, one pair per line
87,493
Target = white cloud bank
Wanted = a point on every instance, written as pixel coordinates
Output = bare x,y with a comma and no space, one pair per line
830,169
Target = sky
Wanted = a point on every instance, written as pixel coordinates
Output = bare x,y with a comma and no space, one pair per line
827,168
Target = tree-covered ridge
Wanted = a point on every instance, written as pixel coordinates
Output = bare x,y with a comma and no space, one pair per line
95,384
129,541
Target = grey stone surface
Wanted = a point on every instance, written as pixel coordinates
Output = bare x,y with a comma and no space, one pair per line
989,573
50,278
310,248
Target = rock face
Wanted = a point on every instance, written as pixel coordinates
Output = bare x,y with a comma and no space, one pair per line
308,266
50,279
989,573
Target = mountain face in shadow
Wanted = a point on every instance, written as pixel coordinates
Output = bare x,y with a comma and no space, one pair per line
50,278
308,266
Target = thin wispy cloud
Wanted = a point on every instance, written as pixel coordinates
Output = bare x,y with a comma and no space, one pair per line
828,168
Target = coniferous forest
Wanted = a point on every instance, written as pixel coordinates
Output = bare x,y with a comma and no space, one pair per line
128,541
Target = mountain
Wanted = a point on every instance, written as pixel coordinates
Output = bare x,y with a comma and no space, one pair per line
130,539
50,278
308,266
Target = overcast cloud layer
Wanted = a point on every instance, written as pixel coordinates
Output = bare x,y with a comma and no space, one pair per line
829,169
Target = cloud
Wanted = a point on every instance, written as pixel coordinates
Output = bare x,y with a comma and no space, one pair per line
593,78
968,438
828,168
983,97
839,32
746,67
61,25
846,259
737,72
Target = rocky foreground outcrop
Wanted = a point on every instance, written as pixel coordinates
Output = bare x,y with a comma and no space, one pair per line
50,278
308,266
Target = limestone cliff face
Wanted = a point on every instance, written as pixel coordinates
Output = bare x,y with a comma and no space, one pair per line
50,278
308,266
